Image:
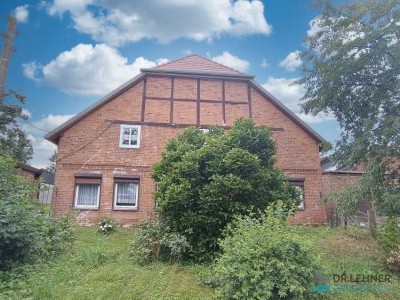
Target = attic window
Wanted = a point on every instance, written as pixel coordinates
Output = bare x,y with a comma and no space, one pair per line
129,136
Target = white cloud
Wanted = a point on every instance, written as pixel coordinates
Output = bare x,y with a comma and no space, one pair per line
286,93
232,61
31,69
290,95
264,63
315,26
319,118
116,22
21,13
161,61
292,61
43,149
88,70
51,121
26,112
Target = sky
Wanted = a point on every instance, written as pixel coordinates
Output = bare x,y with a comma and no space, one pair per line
70,53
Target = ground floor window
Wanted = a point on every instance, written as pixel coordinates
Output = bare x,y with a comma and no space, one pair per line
87,193
299,185
126,193
300,188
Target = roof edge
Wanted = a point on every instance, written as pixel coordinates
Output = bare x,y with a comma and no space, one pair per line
289,113
200,74
54,134
340,172
28,168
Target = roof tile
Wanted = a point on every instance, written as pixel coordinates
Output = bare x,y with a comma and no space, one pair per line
197,64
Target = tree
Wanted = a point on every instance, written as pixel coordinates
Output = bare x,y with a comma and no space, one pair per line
51,167
203,180
351,68
13,141
27,231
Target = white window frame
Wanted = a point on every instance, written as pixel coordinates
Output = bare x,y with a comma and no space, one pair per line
122,127
122,207
76,205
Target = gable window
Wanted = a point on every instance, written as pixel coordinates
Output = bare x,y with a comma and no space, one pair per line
126,193
87,192
129,136
299,185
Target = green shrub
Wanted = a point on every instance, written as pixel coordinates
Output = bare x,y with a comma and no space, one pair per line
393,260
155,242
262,259
204,180
107,225
389,236
27,231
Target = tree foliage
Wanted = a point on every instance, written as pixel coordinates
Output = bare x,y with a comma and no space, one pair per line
26,230
352,69
51,167
203,180
13,141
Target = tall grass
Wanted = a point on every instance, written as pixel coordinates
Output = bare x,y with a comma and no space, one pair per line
99,267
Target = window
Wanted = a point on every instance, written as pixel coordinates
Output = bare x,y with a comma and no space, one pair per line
87,193
299,185
126,193
129,136
300,188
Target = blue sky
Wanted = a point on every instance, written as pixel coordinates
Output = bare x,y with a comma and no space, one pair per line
70,53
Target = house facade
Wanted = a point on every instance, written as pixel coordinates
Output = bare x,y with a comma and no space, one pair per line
106,152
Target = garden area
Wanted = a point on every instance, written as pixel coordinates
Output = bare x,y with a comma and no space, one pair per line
100,266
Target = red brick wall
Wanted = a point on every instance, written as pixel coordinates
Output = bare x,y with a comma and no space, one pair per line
335,182
92,145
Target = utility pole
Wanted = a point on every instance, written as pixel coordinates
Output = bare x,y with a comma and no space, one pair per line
6,53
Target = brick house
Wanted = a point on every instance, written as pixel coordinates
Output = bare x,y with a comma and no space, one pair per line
46,183
105,153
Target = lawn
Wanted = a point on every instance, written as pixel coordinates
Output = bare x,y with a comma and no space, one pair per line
99,267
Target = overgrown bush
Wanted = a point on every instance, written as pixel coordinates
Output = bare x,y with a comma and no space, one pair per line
107,225
156,242
263,259
393,260
26,229
204,180
389,236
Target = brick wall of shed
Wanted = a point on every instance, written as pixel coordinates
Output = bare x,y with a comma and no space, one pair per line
334,182
92,145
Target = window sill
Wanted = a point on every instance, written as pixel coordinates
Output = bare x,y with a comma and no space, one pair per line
129,147
86,208
125,208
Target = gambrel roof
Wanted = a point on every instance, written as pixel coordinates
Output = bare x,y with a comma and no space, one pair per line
189,66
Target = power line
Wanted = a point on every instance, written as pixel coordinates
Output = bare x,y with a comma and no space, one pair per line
34,126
